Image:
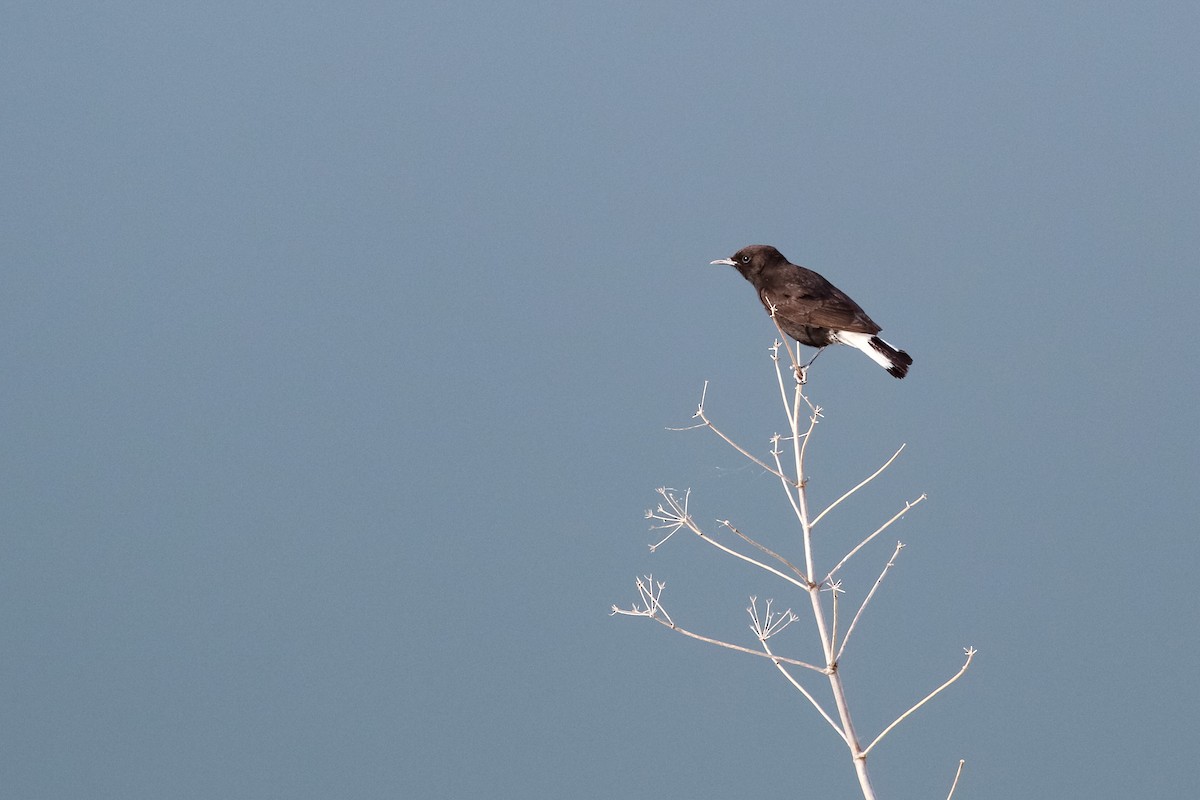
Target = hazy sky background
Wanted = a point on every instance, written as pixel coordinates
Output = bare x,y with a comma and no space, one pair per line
341,342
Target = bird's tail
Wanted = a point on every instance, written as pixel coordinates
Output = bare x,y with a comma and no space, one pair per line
896,362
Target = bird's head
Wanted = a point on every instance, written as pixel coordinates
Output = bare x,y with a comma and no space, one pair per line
751,260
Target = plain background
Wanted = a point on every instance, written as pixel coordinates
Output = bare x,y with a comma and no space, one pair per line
340,344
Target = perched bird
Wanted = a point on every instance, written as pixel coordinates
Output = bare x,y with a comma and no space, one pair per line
812,310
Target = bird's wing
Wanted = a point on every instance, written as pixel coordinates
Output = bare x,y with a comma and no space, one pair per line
818,304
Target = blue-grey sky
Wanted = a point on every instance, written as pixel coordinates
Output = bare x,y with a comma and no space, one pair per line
341,342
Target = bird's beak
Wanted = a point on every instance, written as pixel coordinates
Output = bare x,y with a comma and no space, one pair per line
726,261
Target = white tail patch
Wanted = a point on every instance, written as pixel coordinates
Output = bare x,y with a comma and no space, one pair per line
862,341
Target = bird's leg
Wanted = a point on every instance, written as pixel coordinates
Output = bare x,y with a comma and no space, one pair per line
802,371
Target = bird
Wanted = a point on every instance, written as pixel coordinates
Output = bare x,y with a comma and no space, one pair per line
812,310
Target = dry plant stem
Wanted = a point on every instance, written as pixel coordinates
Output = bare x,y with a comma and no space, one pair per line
801,504
836,685
673,515
704,419
957,773
835,590
651,595
729,645
891,562
793,497
907,507
802,584
764,549
872,477
706,423
970,651
807,695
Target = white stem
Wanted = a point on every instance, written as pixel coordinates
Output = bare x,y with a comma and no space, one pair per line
970,654
867,599
836,685
674,516
696,530
806,693
872,477
957,773
730,645
907,507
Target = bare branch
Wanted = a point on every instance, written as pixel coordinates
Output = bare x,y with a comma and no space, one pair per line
673,519
651,607
808,696
874,474
705,422
835,589
783,337
665,620
768,623
697,426
676,516
800,501
812,423
738,647
957,773
779,375
907,507
802,584
891,562
764,549
970,652
699,412
743,450
673,515
788,486
799,373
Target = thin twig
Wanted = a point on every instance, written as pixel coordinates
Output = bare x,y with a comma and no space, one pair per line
836,589
677,516
802,584
970,651
740,449
783,337
874,474
765,549
717,642
798,450
812,423
779,375
771,623
792,497
650,598
793,355
792,680
674,515
891,562
954,785
907,507
799,500
705,422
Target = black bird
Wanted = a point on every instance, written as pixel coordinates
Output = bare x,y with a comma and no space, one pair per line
812,310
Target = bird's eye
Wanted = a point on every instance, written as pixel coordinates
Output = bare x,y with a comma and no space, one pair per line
745,259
